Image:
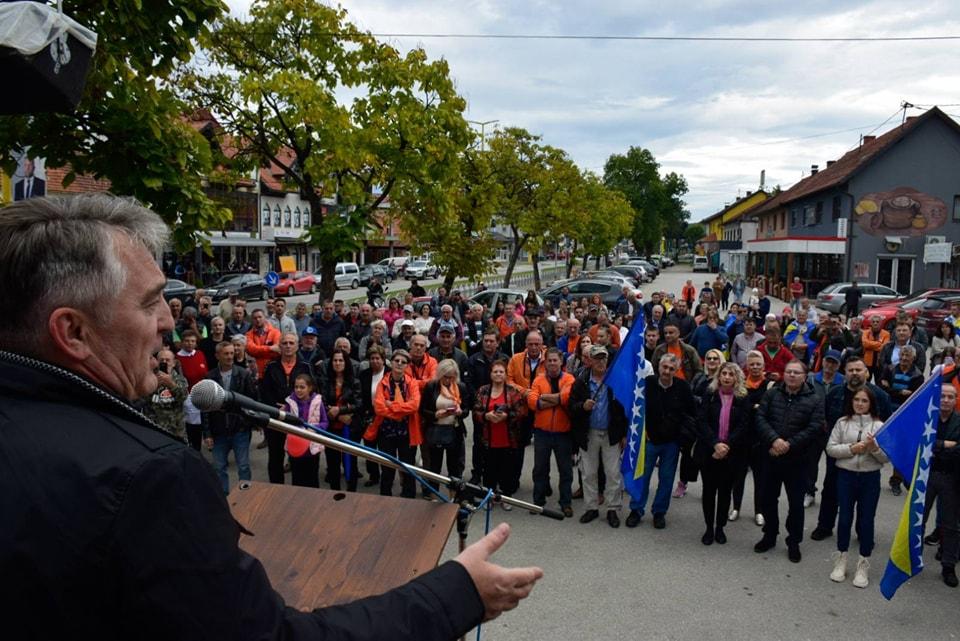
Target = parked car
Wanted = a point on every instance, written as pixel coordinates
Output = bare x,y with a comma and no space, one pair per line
609,290
701,264
610,275
652,269
178,289
664,261
490,297
636,272
912,296
368,272
293,283
346,276
888,313
421,269
247,286
395,263
831,298
934,310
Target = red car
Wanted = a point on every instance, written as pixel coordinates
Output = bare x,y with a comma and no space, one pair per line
889,313
920,293
292,283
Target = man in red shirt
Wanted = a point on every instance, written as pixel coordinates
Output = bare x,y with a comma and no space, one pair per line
775,355
796,293
263,340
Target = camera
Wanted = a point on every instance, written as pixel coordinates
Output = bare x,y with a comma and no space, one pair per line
163,368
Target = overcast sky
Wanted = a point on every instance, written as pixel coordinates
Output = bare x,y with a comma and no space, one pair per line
718,113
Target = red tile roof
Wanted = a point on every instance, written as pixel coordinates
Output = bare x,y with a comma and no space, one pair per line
852,161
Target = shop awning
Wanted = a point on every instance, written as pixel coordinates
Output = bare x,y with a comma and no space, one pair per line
237,241
798,245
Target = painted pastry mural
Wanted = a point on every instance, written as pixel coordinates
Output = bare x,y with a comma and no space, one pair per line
903,211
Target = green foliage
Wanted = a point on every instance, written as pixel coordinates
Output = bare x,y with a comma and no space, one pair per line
343,116
129,126
693,233
609,217
657,201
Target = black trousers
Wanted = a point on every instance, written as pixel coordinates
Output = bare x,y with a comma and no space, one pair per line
477,455
790,474
453,454
335,459
399,447
816,450
944,486
194,436
753,462
373,470
276,455
501,469
305,470
827,516
718,479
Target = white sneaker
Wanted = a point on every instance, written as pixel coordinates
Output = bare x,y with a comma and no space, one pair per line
807,500
860,579
839,573
507,507
733,515
759,520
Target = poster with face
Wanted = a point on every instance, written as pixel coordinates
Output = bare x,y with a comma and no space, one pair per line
30,179
903,211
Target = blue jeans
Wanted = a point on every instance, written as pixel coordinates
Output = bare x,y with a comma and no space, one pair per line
858,491
668,454
560,444
240,444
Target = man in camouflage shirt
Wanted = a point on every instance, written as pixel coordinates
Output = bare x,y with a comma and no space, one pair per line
165,406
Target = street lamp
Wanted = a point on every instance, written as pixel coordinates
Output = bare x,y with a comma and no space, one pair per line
483,126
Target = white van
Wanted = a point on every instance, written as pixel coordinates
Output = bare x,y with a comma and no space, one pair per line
396,262
701,264
347,276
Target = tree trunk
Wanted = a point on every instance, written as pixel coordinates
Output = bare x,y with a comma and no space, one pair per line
569,258
596,263
328,283
518,244
536,271
448,281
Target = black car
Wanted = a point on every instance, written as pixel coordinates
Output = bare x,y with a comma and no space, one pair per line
609,290
178,289
247,286
368,272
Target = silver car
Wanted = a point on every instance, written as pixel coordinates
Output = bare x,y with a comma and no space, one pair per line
832,298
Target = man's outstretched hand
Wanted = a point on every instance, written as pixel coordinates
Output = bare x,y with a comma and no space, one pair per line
501,589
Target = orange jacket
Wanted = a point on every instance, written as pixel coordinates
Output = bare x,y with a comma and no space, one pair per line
689,292
551,419
259,346
614,334
518,370
872,347
505,329
408,408
423,373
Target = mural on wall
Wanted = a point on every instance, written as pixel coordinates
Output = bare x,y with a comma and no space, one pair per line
903,211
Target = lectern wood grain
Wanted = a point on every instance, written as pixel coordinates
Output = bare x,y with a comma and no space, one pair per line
322,548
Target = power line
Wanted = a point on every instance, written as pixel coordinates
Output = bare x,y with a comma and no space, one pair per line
528,36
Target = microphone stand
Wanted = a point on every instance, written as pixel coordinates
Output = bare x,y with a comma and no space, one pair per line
465,494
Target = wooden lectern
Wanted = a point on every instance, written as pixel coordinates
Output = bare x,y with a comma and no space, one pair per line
322,548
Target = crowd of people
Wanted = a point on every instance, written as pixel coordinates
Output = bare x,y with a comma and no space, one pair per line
733,388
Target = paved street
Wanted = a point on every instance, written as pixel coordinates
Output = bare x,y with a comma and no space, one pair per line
643,583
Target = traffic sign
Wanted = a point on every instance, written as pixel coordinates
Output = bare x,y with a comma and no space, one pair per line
272,279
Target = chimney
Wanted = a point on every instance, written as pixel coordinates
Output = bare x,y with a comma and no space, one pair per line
814,169
868,139
763,178
830,163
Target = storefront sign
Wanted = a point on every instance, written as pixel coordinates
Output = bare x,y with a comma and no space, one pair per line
937,252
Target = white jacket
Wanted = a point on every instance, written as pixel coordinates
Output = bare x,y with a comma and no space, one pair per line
852,430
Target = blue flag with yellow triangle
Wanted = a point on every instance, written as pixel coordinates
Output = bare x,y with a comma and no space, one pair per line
907,439
626,378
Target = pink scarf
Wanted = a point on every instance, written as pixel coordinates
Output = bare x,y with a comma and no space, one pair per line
726,405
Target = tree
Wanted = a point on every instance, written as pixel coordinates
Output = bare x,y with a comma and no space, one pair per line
458,233
541,193
609,218
657,201
129,125
342,115
693,233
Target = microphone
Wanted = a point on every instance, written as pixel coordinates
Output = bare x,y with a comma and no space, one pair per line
209,396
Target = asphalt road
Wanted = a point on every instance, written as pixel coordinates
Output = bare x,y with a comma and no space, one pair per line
642,583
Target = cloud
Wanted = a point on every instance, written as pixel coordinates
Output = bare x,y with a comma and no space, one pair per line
718,113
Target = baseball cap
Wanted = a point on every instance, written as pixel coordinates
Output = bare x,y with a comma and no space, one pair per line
309,330
833,354
598,350
446,327
407,323
533,310
408,308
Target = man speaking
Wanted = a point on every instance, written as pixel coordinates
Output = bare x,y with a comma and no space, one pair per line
110,528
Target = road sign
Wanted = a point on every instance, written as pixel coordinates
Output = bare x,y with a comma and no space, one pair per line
272,279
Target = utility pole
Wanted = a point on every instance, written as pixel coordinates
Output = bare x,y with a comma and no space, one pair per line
483,132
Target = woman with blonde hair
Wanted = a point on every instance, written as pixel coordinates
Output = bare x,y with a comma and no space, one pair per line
723,433
444,403
689,470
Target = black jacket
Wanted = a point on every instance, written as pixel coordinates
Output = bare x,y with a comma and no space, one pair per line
276,386
365,380
229,423
132,537
349,402
708,427
670,412
796,418
947,459
580,418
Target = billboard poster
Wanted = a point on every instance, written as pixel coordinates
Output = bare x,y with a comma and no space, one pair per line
30,178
